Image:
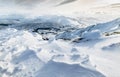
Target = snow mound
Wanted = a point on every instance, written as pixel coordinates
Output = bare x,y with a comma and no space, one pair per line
24,54
56,69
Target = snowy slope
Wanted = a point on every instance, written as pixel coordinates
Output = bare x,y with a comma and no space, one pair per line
24,54
79,8
70,51
59,38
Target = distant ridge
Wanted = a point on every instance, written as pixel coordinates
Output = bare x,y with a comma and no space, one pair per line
67,1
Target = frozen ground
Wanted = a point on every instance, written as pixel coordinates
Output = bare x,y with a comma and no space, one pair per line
58,46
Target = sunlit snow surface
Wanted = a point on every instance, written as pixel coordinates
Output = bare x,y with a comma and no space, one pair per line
58,46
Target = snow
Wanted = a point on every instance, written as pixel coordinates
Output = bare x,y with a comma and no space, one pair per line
53,70
76,39
25,53
91,35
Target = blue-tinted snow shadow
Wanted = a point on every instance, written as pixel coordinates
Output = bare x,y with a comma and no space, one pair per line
56,69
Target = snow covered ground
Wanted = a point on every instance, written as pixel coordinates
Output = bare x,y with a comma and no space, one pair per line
53,38
52,48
